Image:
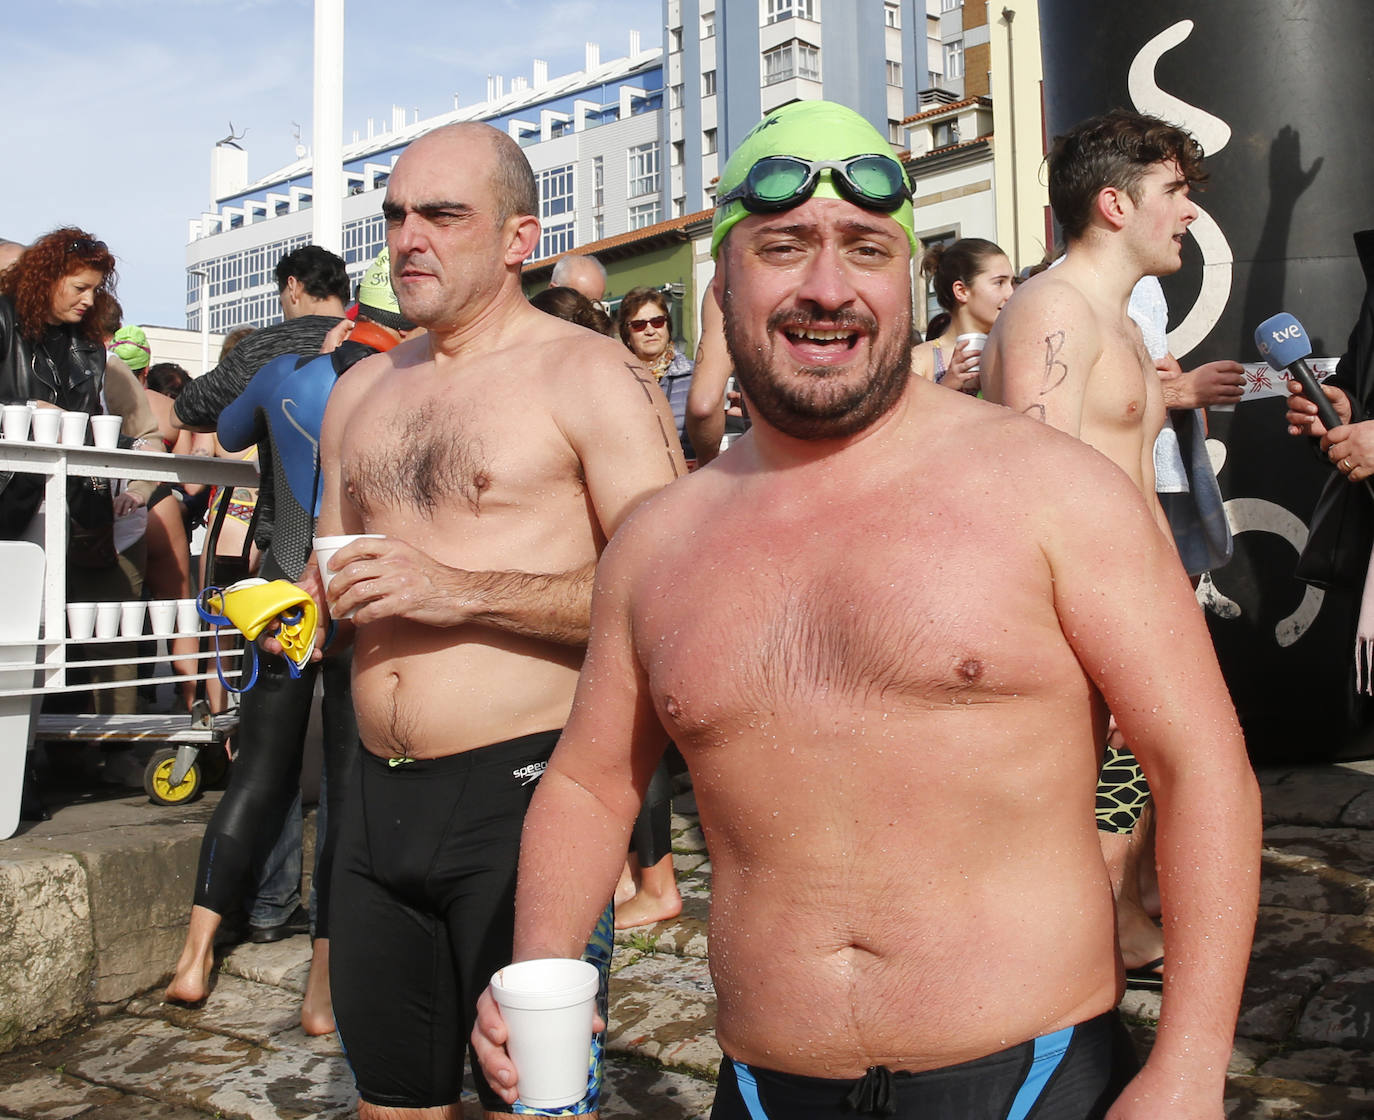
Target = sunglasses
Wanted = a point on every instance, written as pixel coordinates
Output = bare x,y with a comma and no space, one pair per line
658,322
874,182
87,247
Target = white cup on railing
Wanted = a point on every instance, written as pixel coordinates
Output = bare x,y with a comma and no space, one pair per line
15,424
188,618
74,428
46,425
131,618
107,620
106,430
81,619
163,614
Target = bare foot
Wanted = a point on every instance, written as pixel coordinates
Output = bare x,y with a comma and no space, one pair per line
317,1011
191,981
644,910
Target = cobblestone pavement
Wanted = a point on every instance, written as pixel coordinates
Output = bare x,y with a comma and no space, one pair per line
1305,1046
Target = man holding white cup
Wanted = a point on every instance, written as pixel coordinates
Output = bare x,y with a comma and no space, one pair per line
496,456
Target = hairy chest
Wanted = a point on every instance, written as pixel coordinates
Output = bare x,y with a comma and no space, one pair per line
430,456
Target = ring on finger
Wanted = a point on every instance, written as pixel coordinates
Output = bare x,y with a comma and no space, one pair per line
1345,465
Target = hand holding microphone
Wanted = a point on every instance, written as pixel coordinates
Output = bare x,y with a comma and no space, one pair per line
1284,345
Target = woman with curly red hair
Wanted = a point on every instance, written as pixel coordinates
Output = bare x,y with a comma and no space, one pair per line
52,301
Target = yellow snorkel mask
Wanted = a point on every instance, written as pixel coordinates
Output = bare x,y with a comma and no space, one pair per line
250,606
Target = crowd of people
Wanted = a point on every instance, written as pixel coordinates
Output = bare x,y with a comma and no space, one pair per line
929,887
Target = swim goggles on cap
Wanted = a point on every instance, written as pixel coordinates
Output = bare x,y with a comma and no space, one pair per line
874,182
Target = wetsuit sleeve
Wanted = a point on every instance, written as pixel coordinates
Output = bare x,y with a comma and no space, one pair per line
201,402
239,424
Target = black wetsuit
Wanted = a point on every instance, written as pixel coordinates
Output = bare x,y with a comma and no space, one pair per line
282,407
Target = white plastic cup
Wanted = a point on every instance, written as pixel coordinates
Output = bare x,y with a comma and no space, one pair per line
188,618
325,547
46,425
548,1006
81,620
106,429
107,620
15,424
976,341
74,428
163,614
131,618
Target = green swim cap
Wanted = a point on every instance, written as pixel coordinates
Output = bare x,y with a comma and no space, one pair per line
376,298
131,344
811,130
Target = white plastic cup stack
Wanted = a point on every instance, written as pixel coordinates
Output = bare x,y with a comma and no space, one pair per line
46,425
15,424
548,1006
74,428
81,620
163,614
325,547
106,430
976,341
107,620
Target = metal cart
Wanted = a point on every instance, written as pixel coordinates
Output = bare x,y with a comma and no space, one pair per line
34,665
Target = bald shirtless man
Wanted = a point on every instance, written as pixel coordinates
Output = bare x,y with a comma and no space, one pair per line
495,456
892,723
1065,351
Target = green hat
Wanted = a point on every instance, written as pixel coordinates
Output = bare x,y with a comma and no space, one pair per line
377,300
131,344
810,130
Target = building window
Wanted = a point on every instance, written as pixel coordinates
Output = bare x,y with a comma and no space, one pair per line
708,142
708,25
791,60
894,73
776,10
950,5
679,152
675,40
708,83
598,181
894,131
954,59
675,97
556,239
555,192
643,214
892,15
643,167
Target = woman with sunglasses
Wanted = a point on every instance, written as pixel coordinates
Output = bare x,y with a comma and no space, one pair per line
647,329
972,280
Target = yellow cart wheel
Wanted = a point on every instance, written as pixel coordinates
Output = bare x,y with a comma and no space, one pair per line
157,780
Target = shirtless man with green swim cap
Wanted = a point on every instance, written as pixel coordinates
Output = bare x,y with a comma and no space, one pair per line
892,721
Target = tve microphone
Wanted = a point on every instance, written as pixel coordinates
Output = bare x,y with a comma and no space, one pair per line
1284,345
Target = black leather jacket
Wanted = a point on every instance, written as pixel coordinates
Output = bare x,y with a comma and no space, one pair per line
63,368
